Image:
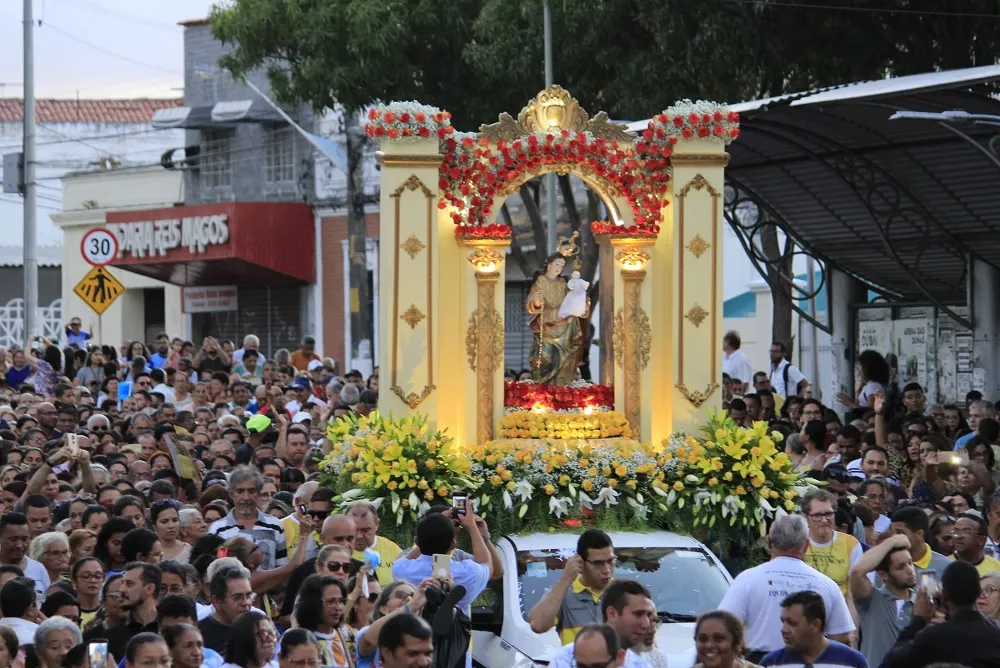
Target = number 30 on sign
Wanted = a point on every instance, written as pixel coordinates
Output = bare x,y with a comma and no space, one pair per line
99,247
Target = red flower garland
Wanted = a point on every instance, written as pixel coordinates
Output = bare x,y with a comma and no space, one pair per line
526,395
689,120
491,231
407,121
474,171
604,227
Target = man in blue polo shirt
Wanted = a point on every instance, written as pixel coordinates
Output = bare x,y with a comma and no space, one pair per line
803,621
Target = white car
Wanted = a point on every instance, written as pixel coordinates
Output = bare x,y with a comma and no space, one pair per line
685,578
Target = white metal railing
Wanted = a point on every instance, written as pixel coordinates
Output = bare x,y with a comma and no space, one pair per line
12,321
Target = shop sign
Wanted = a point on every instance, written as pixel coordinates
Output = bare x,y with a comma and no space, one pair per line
152,238
210,299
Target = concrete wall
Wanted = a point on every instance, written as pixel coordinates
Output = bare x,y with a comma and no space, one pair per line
149,188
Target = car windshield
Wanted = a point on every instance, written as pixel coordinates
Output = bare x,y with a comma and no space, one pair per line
684,582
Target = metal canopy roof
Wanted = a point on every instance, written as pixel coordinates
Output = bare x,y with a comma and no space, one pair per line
901,204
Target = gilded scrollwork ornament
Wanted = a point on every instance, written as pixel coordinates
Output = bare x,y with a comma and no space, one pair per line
644,336
554,109
695,397
472,338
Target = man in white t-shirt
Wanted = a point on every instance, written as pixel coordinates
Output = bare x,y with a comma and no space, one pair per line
756,594
782,369
736,363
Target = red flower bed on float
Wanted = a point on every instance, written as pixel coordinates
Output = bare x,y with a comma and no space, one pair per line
526,395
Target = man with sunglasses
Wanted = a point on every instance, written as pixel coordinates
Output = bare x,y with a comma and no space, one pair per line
336,530
575,600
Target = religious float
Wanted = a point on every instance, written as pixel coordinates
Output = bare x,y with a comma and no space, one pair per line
636,451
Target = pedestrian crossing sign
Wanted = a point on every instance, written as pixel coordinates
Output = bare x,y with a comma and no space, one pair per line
99,289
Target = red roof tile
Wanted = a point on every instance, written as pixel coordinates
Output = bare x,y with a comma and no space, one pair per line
87,111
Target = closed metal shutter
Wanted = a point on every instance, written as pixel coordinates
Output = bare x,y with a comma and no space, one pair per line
273,314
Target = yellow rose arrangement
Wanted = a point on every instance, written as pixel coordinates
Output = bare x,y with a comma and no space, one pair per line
564,426
731,477
400,465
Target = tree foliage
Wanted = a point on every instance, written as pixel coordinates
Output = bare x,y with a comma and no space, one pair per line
630,58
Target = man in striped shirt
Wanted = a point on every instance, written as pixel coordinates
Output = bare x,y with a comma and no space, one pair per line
247,521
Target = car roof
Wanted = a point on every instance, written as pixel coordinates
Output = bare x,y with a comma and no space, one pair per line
567,541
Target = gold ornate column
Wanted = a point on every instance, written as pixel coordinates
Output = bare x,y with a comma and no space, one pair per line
632,335
484,338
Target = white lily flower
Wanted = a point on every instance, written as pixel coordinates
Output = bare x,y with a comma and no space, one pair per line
608,497
523,491
508,502
559,506
691,478
585,500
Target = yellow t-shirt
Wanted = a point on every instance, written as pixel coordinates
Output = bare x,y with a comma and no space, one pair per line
292,531
835,559
389,552
986,566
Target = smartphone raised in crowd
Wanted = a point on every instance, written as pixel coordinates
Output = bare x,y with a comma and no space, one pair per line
97,654
442,566
458,504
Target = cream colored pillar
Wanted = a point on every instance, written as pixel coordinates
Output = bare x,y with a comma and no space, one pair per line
697,199
414,265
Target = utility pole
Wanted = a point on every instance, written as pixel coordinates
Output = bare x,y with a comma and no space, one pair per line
30,211
550,178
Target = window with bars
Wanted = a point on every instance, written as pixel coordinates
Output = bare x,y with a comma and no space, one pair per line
279,166
216,158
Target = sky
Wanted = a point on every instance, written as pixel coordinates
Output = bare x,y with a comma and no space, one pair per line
98,48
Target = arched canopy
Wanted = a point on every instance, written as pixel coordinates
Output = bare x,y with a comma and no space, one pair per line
902,204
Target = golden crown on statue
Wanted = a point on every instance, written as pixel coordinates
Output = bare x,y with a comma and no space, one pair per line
568,249
567,246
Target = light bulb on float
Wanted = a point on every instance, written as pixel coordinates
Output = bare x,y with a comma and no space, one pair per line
632,259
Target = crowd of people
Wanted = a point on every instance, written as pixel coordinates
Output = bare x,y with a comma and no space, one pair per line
165,502
908,492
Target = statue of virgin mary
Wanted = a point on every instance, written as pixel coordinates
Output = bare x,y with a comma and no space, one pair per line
556,344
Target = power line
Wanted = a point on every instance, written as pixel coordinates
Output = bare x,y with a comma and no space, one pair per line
107,52
123,15
94,137
765,4
21,203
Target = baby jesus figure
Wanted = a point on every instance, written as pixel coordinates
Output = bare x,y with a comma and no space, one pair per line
575,301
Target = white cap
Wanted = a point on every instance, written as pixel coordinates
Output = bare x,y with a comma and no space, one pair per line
301,417
315,364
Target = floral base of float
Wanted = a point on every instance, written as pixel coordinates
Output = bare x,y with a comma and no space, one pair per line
722,483
546,424
577,396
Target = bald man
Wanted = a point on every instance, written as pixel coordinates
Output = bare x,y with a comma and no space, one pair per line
336,530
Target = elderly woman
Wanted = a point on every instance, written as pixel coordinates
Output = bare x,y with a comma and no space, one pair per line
54,638
193,525
51,550
989,596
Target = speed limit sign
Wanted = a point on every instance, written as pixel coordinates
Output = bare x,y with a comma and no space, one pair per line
99,247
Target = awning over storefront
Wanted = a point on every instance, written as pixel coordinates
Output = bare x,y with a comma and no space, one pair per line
219,115
234,243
